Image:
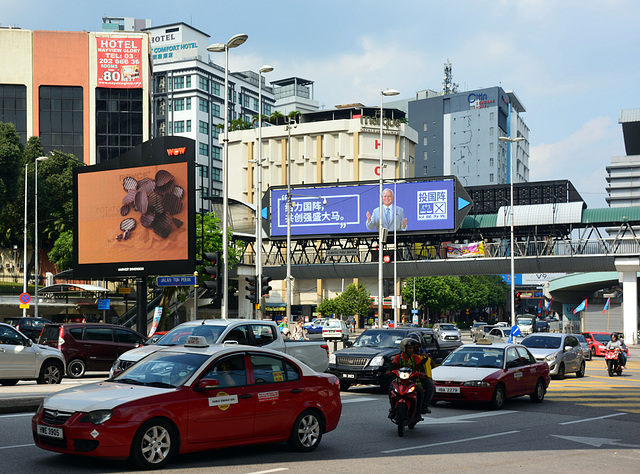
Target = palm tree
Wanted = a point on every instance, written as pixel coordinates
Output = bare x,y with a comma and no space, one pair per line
276,118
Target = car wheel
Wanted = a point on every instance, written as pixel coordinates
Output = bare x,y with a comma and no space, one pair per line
538,394
306,432
344,386
50,373
154,444
9,383
580,372
76,368
560,375
498,399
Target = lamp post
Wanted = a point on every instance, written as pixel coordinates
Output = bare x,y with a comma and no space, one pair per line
35,295
387,92
292,124
513,283
264,69
234,42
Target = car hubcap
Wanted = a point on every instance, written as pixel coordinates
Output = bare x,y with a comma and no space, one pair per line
52,375
156,444
308,431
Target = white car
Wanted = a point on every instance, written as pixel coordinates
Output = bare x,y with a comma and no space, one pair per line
21,359
447,332
333,329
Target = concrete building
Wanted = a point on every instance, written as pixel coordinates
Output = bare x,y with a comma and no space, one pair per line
81,93
623,180
294,94
334,146
458,135
113,23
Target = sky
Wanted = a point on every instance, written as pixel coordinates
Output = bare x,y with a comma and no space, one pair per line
574,64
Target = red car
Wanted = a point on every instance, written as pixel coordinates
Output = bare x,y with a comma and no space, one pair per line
192,398
490,372
598,342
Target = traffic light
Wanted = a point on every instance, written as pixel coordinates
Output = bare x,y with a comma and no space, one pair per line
251,288
214,272
264,285
518,294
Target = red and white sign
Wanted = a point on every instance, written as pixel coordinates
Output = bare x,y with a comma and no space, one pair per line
119,62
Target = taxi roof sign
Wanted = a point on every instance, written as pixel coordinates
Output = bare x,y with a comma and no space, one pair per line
196,341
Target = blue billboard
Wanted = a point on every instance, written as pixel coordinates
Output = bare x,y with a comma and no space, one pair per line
424,206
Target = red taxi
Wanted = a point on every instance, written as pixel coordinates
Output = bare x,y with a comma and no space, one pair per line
490,372
192,398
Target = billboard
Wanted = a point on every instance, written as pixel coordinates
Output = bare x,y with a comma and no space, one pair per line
134,215
119,61
416,206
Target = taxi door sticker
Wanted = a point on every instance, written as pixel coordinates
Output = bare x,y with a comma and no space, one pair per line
278,376
223,400
268,396
517,375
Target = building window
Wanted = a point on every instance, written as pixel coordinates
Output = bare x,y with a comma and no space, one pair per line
215,153
424,141
203,83
425,170
491,177
203,149
216,174
216,192
491,146
203,105
61,119
188,81
247,100
203,127
215,88
203,171
424,155
215,110
491,162
178,104
256,107
188,103
492,116
267,109
119,121
178,127
425,125
204,192
178,82
188,125
490,131
13,108
215,131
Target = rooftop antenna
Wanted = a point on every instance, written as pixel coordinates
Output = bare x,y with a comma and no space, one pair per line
448,86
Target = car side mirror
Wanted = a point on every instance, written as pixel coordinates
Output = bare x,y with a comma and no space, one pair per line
28,342
207,384
567,348
348,343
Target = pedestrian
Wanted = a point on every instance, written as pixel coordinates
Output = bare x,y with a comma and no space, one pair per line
298,332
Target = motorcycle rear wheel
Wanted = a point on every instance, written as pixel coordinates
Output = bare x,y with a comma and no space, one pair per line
401,417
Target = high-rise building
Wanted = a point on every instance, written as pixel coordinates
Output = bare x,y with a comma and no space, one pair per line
624,172
458,135
112,23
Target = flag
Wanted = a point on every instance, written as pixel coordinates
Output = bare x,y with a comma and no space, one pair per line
606,306
549,303
540,308
580,307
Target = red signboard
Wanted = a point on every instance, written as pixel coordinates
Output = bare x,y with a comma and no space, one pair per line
119,62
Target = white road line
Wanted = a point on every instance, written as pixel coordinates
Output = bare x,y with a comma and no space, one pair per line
30,415
591,419
17,446
466,418
358,399
449,442
270,470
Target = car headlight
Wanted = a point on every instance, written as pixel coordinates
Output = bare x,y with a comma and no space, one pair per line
550,357
377,361
332,358
97,417
477,383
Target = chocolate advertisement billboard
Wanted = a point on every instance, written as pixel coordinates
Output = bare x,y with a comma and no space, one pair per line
134,214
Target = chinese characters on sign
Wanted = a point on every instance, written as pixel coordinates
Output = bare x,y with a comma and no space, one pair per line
119,62
432,205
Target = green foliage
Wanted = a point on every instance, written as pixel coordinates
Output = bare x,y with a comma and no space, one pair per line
353,301
62,253
11,156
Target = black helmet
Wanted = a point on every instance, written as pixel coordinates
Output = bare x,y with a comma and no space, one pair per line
407,341
614,334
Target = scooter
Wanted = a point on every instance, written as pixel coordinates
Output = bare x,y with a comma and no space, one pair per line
612,357
404,399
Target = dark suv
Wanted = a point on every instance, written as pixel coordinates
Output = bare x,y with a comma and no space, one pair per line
29,326
90,346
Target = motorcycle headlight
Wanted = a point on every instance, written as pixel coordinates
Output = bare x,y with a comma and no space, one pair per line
477,383
550,357
332,358
377,361
404,375
97,417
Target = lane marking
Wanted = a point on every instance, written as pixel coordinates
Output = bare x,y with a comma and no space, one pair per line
444,443
591,419
280,469
466,418
17,446
358,399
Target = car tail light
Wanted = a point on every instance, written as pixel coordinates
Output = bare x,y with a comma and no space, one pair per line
326,348
60,338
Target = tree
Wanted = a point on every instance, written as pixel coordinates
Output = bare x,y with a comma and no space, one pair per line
62,253
276,118
11,156
355,300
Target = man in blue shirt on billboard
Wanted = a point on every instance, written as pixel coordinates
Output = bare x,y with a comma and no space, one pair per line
388,209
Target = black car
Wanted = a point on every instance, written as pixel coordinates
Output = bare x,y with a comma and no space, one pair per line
29,326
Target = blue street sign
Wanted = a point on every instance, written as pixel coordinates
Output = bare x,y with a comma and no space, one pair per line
104,303
184,280
414,311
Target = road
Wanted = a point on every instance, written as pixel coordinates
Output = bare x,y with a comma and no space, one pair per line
593,421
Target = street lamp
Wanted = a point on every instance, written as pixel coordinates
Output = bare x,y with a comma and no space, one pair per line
35,245
264,69
234,42
388,92
513,283
292,124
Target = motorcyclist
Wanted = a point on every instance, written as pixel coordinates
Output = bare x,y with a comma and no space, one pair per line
617,343
409,358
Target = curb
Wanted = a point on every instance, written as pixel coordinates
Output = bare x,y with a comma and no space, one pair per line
20,405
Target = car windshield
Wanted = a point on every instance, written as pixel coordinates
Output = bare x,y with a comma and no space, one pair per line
448,327
379,338
178,335
484,357
162,369
524,322
581,338
542,342
603,338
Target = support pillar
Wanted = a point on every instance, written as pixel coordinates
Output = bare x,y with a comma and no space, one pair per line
629,268
141,304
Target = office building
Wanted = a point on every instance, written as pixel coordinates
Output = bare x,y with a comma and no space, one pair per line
623,180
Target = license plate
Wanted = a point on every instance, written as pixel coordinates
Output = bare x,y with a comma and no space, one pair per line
348,376
50,432
448,389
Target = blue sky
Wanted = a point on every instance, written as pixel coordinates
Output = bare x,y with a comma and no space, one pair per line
573,64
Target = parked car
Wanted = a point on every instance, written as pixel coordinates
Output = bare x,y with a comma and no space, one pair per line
586,350
21,359
333,329
190,398
490,372
314,327
90,346
501,334
447,332
252,332
29,326
562,352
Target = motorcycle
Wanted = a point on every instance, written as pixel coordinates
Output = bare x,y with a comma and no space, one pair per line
404,399
612,357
